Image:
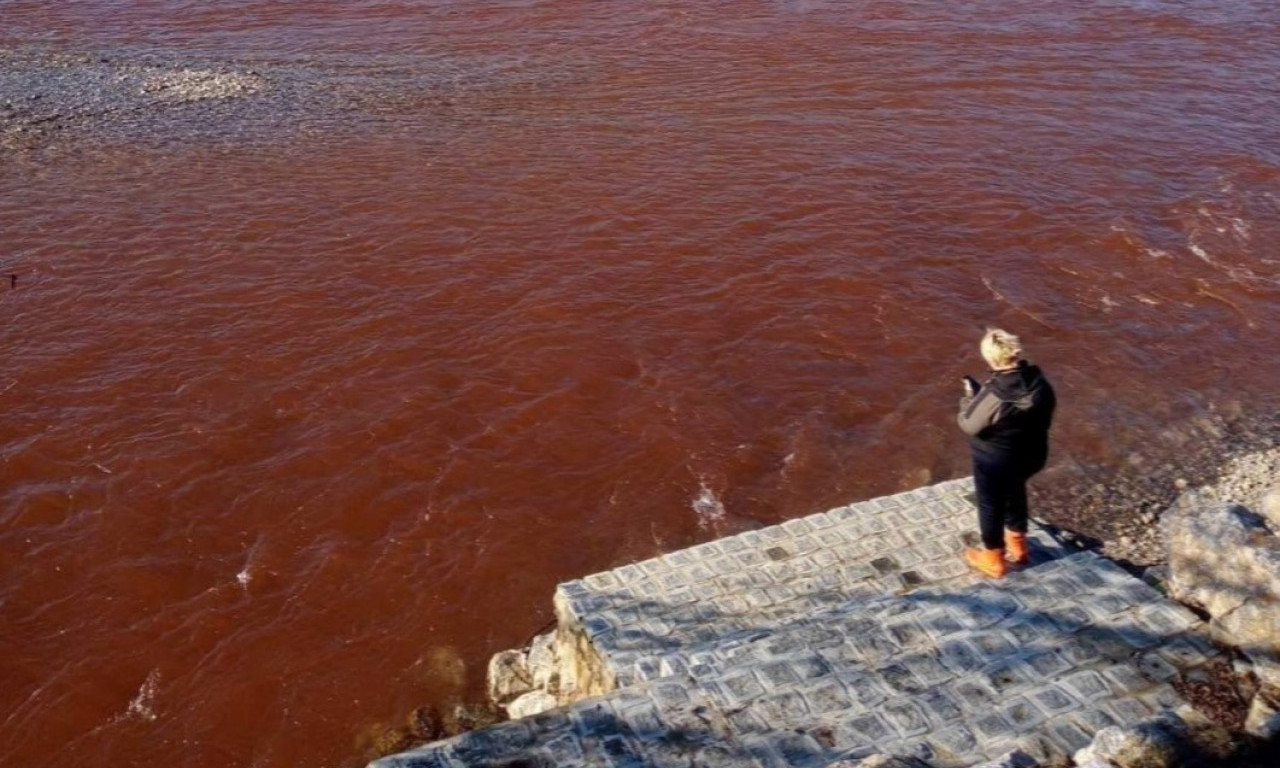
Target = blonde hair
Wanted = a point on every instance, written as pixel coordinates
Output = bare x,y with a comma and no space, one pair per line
1000,349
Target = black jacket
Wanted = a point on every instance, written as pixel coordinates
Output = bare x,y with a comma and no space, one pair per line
1008,420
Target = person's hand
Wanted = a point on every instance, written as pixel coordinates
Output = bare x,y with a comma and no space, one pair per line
970,386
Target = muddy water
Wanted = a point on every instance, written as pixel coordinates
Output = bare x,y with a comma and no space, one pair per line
311,397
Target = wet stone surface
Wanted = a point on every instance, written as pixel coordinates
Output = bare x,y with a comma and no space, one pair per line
781,665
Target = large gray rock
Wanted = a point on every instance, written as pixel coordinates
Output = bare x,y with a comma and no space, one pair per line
508,676
1264,715
543,663
1148,744
1219,556
1171,740
1254,628
1225,559
529,704
1269,508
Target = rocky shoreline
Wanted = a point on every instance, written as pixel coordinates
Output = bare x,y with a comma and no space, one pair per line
1223,561
1226,454
1124,513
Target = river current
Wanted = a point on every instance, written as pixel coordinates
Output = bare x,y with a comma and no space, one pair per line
312,395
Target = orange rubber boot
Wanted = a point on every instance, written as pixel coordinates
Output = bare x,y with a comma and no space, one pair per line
1015,546
988,562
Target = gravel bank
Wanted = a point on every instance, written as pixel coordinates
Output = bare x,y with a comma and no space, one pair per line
1226,454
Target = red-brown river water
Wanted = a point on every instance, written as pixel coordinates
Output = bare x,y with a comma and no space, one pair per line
304,416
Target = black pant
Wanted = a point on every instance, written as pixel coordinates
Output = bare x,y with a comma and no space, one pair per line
1001,485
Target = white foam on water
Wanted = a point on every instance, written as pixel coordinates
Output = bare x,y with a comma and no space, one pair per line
1200,252
143,705
244,577
707,506
1241,228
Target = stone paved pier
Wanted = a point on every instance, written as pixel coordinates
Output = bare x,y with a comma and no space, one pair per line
843,634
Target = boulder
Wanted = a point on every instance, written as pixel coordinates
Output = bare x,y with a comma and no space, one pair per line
1172,739
1214,558
508,676
1147,744
543,663
1254,628
1264,715
532,703
1225,559
1269,508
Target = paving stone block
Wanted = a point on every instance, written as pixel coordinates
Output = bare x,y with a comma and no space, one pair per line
1049,664
920,749
774,534
602,581
960,656
981,609
746,720
1022,713
1126,709
900,680
894,540
864,686
957,743
743,686
940,624
931,549
647,669
926,668
1093,719
784,708
1052,699
992,726
1126,626
975,693
941,705
1008,676
810,666
781,594
907,556
671,695
1154,667
1106,643
905,716
872,647
500,740
828,698
797,749
1125,680
643,722
906,633
1067,735
1086,685
758,750
869,726
778,674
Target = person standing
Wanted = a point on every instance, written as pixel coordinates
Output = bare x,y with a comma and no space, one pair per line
1007,419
